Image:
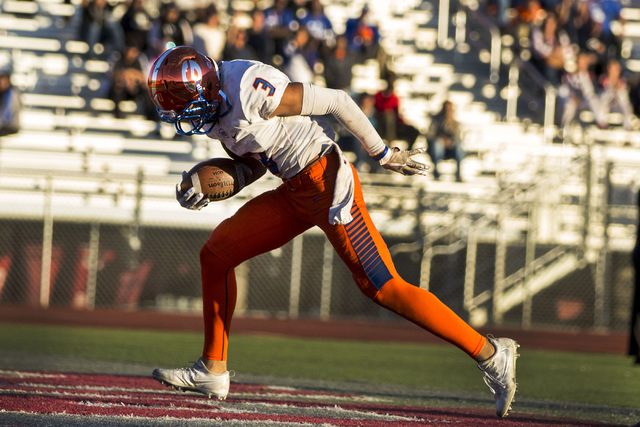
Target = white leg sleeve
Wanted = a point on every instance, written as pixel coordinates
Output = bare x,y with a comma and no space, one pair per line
318,101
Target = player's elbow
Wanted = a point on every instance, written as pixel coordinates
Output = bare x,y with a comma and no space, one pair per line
343,96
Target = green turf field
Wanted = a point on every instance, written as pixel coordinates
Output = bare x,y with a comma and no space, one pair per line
576,377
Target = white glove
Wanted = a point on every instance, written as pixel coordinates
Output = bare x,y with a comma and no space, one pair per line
190,199
400,161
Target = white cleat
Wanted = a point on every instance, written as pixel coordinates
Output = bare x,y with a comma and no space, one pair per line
500,373
196,378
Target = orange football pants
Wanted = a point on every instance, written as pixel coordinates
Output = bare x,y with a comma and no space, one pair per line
274,218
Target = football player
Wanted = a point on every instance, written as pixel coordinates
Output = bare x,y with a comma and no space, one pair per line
269,123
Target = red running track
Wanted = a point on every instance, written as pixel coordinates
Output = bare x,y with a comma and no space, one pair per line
51,393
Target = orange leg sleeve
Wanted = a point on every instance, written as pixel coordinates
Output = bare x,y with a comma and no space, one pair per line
219,294
262,224
421,307
363,250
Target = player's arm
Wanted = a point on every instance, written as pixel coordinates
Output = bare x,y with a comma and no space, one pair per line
257,169
310,100
253,170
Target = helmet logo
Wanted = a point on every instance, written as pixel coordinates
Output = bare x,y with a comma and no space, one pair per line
191,73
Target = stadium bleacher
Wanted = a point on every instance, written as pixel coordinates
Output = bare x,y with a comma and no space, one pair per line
67,118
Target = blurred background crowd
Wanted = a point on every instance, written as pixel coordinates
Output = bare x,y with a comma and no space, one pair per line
294,36
577,46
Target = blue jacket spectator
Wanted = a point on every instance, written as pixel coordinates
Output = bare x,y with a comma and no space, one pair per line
363,35
280,22
604,12
10,106
317,23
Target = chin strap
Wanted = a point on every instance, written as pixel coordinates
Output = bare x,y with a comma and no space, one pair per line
215,119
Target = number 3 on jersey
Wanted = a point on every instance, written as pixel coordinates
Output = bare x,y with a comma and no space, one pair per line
260,83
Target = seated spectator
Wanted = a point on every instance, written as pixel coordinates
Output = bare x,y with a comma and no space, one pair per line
301,56
580,26
209,35
615,94
550,45
280,22
136,24
99,26
129,82
169,27
391,126
317,23
10,105
363,35
259,38
443,138
577,92
338,65
236,46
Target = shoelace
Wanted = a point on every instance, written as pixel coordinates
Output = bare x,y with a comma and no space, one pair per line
190,369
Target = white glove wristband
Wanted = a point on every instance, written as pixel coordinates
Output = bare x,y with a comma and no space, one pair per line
384,157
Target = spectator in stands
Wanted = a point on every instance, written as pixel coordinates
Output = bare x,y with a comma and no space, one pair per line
634,330
577,92
10,105
550,45
363,35
259,38
444,141
301,56
209,34
317,23
280,22
299,7
391,126
580,27
236,46
530,13
129,82
99,26
169,27
338,65
136,24
606,15
615,94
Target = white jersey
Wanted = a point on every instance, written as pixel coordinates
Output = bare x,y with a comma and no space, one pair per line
284,145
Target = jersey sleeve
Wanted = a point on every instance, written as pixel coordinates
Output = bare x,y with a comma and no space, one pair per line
261,90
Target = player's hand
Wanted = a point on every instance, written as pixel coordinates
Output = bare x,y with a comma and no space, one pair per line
400,161
190,199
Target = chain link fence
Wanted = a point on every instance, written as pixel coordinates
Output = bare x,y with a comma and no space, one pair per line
551,256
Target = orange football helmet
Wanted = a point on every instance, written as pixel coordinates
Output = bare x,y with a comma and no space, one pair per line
185,88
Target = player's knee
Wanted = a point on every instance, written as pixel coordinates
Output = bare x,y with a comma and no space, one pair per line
208,257
365,285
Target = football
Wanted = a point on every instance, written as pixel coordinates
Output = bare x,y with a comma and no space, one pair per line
217,178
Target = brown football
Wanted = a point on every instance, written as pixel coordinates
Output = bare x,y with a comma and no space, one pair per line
217,178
